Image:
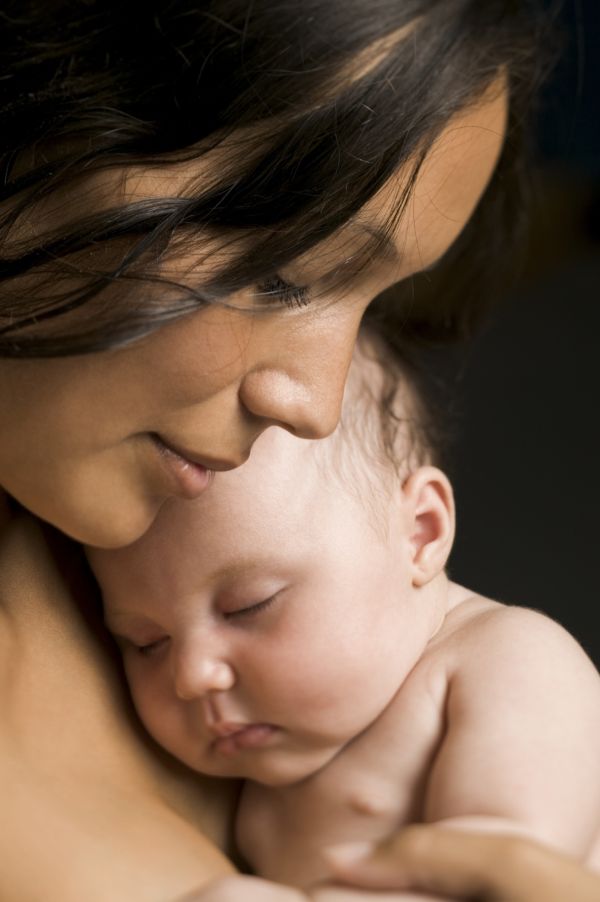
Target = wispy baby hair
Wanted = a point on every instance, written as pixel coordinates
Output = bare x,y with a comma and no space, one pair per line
388,427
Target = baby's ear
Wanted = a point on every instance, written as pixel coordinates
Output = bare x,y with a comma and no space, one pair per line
429,504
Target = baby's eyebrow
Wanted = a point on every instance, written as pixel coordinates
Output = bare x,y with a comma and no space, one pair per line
113,617
242,567
125,625
111,624
118,637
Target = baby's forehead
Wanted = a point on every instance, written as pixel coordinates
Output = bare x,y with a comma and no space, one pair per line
275,490
281,474
260,524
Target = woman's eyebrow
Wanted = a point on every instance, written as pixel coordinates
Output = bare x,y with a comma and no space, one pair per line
380,244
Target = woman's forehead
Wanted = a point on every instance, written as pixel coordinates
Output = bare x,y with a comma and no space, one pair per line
448,185
447,188
450,181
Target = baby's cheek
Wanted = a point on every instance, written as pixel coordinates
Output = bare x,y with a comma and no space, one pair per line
146,700
157,710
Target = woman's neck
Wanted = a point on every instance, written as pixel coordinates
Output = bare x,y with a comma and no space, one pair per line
63,703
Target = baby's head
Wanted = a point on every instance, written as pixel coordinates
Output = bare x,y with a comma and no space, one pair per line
266,624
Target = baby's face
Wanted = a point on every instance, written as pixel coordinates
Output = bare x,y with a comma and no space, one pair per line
268,623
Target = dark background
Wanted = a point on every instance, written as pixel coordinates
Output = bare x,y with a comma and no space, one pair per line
526,465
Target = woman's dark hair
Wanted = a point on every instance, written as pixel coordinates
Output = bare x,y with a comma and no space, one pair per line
309,106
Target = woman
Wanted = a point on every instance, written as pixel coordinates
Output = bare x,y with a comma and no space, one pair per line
199,203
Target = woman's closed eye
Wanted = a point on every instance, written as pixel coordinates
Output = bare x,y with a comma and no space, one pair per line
353,272
278,289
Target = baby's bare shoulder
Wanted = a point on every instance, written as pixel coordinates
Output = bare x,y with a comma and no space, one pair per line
492,644
511,630
522,725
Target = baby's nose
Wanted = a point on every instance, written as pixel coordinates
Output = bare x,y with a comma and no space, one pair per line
196,675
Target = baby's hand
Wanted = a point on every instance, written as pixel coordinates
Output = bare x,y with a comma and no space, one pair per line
347,894
253,889
250,889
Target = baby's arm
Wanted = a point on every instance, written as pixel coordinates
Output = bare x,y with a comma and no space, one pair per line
522,745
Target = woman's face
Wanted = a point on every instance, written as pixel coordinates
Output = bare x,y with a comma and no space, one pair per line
89,442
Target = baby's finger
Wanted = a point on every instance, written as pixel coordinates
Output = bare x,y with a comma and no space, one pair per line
348,894
414,858
236,888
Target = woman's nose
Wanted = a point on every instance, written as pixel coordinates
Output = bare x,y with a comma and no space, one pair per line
195,674
303,387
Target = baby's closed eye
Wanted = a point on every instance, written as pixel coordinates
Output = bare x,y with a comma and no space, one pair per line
251,610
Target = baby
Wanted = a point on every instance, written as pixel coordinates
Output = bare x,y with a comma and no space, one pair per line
295,626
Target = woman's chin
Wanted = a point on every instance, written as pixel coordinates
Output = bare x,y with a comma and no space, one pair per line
108,529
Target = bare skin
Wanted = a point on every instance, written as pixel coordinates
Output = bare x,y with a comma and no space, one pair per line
76,444
389,695
461,865
59,681
425,863
75,451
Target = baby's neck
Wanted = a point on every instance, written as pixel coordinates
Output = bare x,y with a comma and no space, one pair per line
439,597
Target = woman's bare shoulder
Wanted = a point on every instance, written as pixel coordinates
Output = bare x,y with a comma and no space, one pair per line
89,809
64,839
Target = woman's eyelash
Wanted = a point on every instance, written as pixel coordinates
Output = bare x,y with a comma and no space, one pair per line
251,610
285,292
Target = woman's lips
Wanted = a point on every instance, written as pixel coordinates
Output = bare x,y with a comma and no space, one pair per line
189,478
250,736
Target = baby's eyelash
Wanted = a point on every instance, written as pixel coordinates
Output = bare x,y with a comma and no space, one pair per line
150,648
251,610
285,292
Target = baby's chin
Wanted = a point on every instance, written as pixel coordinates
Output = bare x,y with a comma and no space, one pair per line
272,768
